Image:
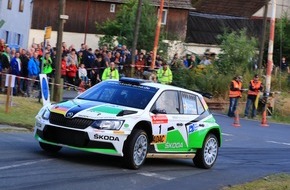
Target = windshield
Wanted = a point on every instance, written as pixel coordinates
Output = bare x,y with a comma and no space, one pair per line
114,92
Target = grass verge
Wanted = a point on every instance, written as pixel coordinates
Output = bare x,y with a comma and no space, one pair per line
272,182
22,112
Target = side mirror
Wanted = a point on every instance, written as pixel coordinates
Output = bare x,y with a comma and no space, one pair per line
158,111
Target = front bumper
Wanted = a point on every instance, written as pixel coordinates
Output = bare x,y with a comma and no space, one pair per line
88,139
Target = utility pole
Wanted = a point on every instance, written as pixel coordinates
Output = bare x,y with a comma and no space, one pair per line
157,33
86,21
61,20
269,62
262,43
136,33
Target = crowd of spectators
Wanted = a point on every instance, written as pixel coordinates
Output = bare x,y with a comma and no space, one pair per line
82,65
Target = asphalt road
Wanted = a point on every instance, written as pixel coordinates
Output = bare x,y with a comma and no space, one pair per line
248,152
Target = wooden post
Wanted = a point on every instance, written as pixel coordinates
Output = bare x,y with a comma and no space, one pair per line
8,97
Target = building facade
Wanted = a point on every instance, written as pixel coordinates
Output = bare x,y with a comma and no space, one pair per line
15,18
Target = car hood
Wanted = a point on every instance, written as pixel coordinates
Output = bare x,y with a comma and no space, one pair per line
91,109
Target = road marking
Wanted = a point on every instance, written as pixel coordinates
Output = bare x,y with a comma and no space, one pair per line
226,134
24,164
157,176
275,142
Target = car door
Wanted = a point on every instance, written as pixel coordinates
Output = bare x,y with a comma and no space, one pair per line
168,124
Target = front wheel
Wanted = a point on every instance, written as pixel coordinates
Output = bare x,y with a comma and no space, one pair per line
135,149
207,155
49,147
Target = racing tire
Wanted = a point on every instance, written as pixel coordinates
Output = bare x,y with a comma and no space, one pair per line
135,149
49,147
207,155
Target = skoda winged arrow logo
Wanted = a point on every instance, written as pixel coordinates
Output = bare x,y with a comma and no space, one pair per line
69,114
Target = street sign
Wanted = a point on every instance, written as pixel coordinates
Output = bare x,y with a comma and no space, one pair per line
47,34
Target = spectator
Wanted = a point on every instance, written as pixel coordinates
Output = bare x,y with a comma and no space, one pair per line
234,95
96,70
33,72
24,57
164,74
53,58
192,62
5,66
80,57
185,62
140,64
72,57
205,61
63,68
71,72
149,59
89,59
153,76
284,66
15,65
255,87
83,74
2,45
174,62
110,72
47,64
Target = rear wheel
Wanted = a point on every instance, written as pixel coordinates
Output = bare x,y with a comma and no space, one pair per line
135,149
207,155
49,147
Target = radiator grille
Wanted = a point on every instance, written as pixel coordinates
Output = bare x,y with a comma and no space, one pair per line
77,123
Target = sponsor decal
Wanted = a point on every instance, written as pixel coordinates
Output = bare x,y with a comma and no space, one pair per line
191,128
118,132
106,109
60,110
173,145
126,125
106,137
159,119
159,138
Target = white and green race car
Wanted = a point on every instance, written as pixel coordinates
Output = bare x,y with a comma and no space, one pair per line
134,119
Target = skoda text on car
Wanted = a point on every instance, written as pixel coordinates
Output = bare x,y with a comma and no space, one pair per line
134,119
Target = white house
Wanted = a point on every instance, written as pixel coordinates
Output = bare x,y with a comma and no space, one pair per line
15,22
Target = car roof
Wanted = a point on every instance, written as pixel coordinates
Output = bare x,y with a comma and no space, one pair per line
160,86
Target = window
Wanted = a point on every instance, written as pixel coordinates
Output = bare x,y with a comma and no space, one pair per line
21,5
18,39
112,8
189,103
200,108
6,36
164,16
9,5
168,102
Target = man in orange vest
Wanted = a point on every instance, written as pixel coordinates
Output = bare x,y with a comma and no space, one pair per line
255,87
234,95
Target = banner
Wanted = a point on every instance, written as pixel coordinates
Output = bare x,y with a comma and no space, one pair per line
44,89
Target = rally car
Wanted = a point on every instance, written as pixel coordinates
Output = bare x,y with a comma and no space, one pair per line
135,119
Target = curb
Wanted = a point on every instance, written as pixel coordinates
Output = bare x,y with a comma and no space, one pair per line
9,128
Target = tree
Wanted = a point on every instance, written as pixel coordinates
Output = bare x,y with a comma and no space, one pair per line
123,25
237,52
282,40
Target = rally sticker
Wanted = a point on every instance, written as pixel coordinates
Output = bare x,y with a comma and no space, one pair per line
159,138
159,119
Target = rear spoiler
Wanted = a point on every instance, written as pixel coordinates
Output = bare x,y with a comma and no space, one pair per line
205,94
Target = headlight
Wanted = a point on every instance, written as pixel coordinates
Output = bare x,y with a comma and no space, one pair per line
45,114
107,124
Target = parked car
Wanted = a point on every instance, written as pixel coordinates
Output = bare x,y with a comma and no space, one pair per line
134,119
